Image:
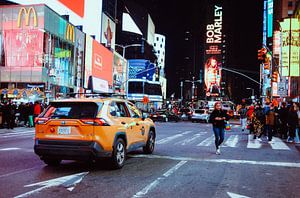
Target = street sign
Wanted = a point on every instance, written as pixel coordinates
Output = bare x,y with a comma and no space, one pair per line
282,91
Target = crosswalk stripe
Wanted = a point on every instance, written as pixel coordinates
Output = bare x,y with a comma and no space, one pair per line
168,139
231,141
191,139
207,142
277,144
253,143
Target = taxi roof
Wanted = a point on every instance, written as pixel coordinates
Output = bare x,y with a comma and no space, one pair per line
91,99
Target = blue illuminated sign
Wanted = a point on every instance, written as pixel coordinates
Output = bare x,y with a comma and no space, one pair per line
270,18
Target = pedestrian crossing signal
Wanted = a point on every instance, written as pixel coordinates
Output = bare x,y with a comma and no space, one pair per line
261,55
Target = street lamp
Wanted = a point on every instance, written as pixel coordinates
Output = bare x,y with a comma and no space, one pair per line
252,93
126,46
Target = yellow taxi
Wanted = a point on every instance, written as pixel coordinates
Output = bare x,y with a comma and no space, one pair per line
92,128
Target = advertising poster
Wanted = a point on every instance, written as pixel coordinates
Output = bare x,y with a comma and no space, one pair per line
88,60
23,48
119,76
102,62
108,32
213,52
141,69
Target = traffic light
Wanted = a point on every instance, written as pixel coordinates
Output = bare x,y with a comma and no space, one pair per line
261,55
275,76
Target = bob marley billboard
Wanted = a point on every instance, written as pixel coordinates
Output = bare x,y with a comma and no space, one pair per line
213,52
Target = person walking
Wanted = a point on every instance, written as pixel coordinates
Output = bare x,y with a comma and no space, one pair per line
218,118
37,110
283,113
243,116
258,121
249,118
270,122
292,122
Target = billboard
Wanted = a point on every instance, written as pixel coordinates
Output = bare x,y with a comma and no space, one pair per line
141,69
88,60
213,52
119,72
151,31
80,12
129,25
102,62
290,47
270,18
108,35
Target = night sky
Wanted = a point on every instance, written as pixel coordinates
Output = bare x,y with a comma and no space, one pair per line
242,24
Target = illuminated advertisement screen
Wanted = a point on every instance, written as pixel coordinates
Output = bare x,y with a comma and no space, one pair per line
119,76
213,52
88,60
102,62
270,18
290,47
108,32
141,69
212,76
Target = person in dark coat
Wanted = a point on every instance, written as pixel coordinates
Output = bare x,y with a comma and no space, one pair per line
283,113
11,111
218,118
292,122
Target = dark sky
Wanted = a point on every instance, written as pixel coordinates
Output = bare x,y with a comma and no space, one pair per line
242,24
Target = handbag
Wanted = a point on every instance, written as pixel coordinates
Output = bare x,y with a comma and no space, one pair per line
227,126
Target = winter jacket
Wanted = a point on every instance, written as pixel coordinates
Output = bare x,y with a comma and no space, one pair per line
218,113
270,118
293,118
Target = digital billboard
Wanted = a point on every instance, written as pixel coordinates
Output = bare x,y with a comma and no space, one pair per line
213,52
119,72
141,69
108,35
102,62
290,47
151,31
270,18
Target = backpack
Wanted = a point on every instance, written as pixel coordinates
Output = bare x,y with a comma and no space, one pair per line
260,115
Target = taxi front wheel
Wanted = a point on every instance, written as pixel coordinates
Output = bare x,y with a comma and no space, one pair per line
119,154
149,148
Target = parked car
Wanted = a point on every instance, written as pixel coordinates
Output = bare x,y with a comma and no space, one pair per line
92,128
164,115
200,115
185,113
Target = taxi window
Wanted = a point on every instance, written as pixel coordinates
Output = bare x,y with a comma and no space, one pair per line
72,110
119,109
135,112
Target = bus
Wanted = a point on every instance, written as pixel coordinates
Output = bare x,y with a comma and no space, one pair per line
137,89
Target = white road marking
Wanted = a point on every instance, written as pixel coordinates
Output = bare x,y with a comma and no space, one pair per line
9,149
156,182
277,144
255,144
234,195
231,141
230,161
168,139
66,181
188,140
207,142
16,172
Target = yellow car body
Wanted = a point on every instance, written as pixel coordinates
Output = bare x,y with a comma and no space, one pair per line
92,128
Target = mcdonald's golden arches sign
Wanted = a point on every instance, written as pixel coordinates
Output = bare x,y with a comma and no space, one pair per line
27,12
70,35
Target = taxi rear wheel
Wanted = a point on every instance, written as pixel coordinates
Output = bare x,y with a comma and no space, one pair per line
149,148
119,154
52,162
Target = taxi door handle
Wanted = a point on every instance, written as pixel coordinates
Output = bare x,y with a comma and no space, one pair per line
123,122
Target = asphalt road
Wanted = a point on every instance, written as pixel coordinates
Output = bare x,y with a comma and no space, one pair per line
184,164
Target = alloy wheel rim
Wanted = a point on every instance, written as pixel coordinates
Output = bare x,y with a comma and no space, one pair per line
120,153
151,141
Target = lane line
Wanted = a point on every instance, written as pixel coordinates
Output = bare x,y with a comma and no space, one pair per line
229,161
9,149
254,144
156,182
170,138
17,172
232,141
207,142
278,144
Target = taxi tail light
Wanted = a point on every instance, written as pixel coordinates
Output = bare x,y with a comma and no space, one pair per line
40,120
95,122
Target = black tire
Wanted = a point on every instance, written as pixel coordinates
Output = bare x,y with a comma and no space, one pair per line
149,148
119,154
51,161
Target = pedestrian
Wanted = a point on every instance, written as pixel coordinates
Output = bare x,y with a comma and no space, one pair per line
243,116
258,121
270,122
298,126
30,110
292,122
283,113
11,111
37,110
249,118
218,119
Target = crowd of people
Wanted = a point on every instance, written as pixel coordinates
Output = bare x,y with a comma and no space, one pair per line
270,120
23,114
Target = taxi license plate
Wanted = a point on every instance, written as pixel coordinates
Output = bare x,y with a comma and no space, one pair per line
64,130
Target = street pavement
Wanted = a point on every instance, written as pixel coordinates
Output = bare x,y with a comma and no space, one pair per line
184,164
